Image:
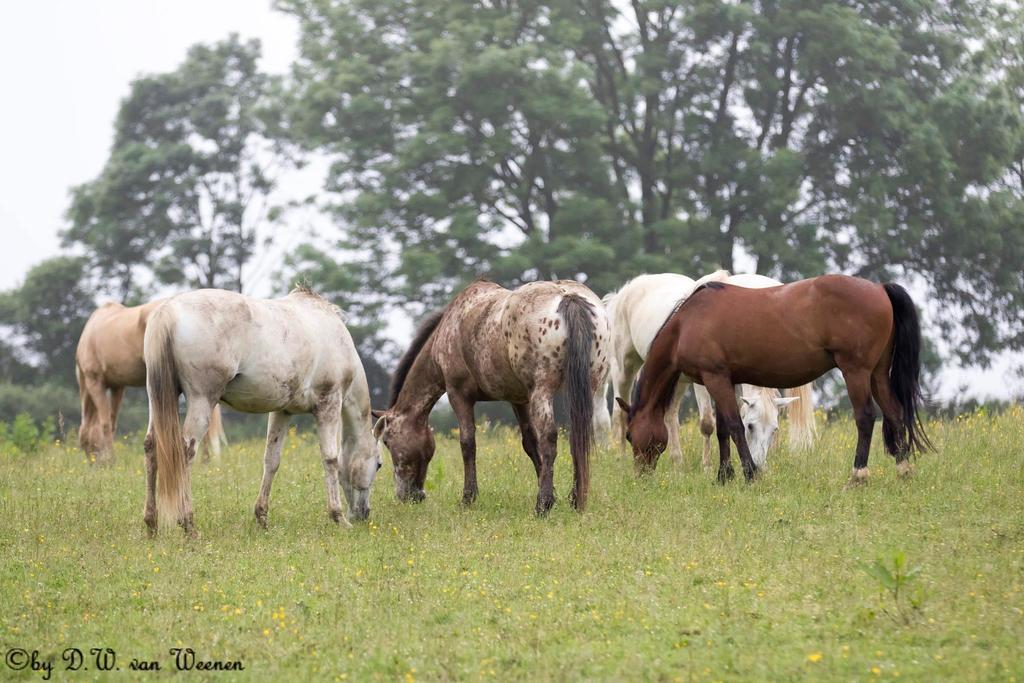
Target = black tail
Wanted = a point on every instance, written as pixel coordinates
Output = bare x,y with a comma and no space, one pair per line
905,375
577,313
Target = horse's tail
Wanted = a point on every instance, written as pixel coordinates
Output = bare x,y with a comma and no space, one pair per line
905,375
577,313
162,386
215,437
802,429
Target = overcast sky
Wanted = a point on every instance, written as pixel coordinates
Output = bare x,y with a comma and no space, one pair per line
64,68
66,65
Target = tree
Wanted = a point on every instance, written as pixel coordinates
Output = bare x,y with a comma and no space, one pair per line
45,315
591,139
188,182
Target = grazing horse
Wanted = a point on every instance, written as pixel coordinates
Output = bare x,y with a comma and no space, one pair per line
280,356
108,359
760,406
638,310
783,337
492,344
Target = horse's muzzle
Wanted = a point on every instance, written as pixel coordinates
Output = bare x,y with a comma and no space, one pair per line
645,463
414,496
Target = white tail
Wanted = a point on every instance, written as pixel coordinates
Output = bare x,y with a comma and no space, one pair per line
802,429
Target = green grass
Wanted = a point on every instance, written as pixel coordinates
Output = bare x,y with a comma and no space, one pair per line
669,578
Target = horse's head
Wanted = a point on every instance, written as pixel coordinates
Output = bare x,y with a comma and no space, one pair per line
411,443
760,415
358,470
647,434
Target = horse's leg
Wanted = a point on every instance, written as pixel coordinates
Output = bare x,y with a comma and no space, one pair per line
602,418
87,430
116,396
708,418
197,420
211,440
328,425
675,449
529,438
98,395
149,513
463,409
277,427
892,416
542,418
622,385
724,394
858,387
725,470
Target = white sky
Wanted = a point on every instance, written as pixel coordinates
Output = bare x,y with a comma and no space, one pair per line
64,68
66,65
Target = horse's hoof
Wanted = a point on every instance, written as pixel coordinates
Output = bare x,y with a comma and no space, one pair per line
261,519
544,506
151,527
904,469
468,498
858,477
338,517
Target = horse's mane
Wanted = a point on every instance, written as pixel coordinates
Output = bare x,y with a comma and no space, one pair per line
426,328
635,395
304,289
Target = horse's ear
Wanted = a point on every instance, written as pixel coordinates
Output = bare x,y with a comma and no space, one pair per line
381,424
785,400
622,404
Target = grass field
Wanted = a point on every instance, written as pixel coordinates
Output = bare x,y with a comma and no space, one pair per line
669,578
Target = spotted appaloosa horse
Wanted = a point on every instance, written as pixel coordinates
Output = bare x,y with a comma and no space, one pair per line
280,356
783,337
108,359
492,344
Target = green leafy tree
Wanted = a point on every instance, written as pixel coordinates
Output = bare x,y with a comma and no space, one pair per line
590,139
44,318
188,183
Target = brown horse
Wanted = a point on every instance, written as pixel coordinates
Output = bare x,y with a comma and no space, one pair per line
108,359
492,344
784,337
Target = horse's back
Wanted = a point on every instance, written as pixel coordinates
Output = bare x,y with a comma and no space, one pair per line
274,354
646,303
779,336
502,343
111,345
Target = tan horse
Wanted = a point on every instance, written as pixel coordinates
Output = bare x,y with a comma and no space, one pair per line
108,359
492,344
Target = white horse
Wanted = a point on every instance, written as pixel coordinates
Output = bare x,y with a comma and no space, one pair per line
280,356
636,313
